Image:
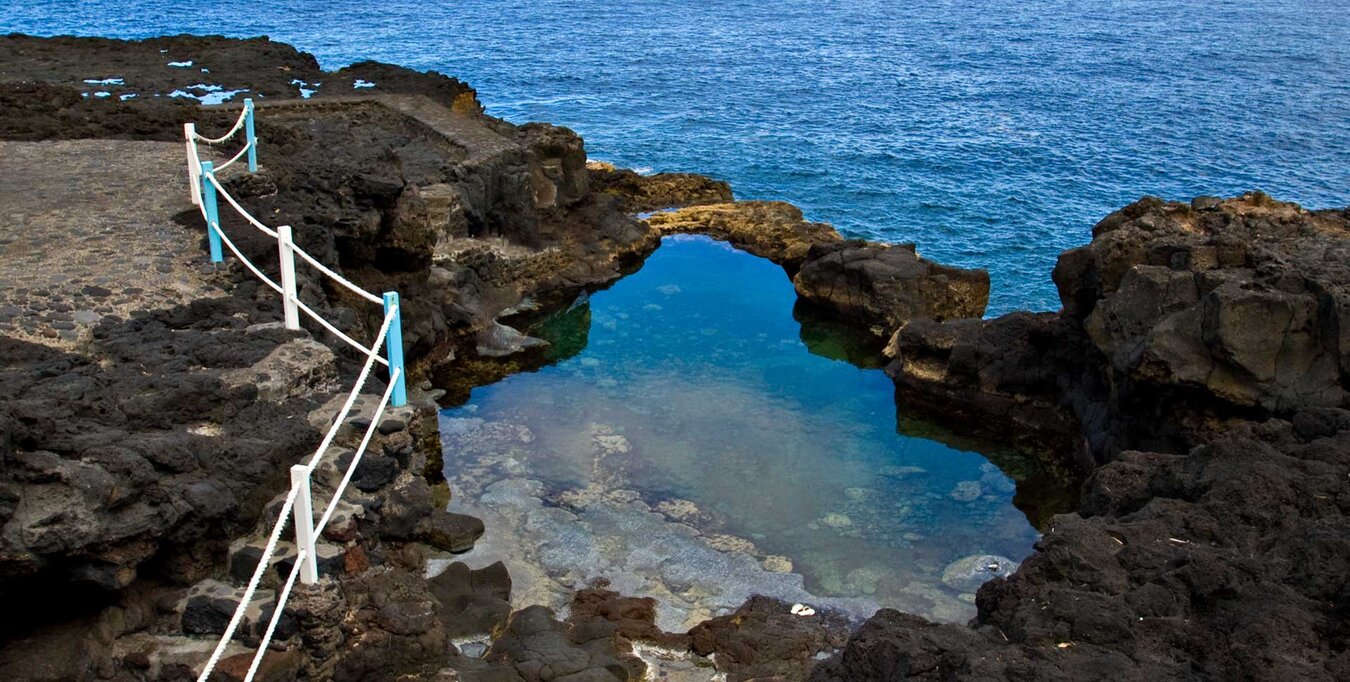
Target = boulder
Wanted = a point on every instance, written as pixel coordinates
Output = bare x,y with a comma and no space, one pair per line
885,286
764,639
1244,301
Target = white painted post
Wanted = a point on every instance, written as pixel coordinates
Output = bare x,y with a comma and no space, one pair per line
286,247
194,167
304,524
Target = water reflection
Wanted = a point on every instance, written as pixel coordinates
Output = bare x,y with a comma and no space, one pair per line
692,408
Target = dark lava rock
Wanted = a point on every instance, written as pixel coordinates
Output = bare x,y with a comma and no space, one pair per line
538,648
476,602
763,639
1246,301
634,616
394,627
885,286
207,615
450,532
653,192
1217,564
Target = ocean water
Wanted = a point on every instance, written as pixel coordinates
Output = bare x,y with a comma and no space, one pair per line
992,134
690,388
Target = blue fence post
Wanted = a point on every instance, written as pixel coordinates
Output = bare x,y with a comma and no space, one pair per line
212,215
252,136
393,348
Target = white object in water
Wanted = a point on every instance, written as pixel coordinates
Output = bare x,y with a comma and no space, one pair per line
181,65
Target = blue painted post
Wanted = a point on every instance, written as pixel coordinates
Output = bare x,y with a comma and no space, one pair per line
212,215
393,348
252,137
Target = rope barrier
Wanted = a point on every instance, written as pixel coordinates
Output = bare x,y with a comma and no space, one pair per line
244,602
236,157
351,398
239,209
338,333
206,188
217,140
356,459
247,263
336,277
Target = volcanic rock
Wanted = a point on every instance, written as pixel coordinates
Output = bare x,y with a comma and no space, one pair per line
774,230
885,286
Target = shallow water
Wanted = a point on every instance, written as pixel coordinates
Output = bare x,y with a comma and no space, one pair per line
689,384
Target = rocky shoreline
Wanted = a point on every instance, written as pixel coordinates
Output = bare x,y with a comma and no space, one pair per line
1196,375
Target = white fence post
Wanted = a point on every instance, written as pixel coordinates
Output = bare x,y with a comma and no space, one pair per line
286,247
194,167
304,524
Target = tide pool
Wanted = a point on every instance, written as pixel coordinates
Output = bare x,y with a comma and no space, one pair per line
687,411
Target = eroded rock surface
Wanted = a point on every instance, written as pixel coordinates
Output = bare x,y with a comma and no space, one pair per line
661,190
775,230
886,285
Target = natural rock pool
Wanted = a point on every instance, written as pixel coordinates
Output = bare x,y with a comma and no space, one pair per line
690,439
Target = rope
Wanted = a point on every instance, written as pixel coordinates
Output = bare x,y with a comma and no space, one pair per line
335,332
266,280
225,165
356,389
240,209
337,278
356,459
276,615
217,140
252,586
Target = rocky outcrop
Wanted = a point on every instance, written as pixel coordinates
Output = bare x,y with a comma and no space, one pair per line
1215,564
774,230
1245,301
1197,361
765,639
885,286
654,192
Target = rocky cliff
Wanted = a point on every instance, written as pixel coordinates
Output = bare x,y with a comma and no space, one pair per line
1198,365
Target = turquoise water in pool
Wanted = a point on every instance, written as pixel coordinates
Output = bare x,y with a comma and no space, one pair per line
690,381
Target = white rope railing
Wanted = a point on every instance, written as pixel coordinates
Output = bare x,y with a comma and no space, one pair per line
247,263
336,277
338,333
247,598
235,205
243,118
298,505
356,459
227,164
347,405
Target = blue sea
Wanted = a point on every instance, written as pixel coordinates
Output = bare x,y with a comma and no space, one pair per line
992,134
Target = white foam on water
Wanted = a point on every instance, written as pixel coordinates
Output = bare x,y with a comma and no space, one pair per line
104,81
362,83
181,65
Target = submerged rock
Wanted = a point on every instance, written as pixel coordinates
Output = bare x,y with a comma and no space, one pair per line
967,574
500,341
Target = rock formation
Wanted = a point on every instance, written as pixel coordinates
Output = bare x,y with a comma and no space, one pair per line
1209,333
